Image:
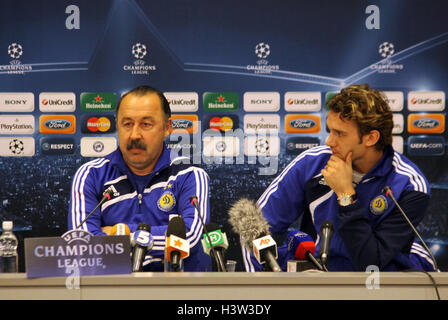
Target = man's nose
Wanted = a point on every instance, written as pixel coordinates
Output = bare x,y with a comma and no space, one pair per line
135,133
330,141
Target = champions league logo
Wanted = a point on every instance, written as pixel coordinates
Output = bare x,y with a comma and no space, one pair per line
386,50
262,50
139,66
15,51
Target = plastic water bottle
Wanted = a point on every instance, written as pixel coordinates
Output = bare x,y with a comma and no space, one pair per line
8,249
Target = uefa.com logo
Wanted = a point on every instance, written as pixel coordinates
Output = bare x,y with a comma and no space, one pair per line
386,50
139,51
262,51
15,51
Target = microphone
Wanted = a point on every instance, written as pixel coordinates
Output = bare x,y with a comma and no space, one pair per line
106,196
303,247
248,221
326,232
120,229
142,242
388,191
177,247
220,263
214,244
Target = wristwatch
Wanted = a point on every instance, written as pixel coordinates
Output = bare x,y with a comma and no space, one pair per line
347,199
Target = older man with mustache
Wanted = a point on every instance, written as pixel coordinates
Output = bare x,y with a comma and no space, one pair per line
150,184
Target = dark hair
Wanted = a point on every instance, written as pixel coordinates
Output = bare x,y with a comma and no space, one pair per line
144,90
368,108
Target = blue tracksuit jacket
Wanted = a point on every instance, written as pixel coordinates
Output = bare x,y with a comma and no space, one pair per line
166,193
369,232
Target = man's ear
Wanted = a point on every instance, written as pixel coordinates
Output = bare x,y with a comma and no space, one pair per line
371,138
168,128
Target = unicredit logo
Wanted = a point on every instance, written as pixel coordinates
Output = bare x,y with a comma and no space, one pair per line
426,101
57,102
303,101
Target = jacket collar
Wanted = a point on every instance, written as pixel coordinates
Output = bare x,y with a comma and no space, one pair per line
383,167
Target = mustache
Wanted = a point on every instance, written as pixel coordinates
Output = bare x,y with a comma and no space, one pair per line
136,144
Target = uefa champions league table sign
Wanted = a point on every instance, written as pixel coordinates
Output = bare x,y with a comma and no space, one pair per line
77,252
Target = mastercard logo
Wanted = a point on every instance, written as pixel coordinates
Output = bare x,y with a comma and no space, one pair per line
101,124
426,123
221,123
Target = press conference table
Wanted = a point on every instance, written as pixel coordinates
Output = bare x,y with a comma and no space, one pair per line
228,286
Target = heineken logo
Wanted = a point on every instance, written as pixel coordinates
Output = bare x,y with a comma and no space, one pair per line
221,101
98,101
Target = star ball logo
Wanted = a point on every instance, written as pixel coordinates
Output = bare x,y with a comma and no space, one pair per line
15,51
139,66
386,50
262,50
16,146
139,50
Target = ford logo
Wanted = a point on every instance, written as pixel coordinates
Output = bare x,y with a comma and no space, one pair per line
426,123
182,124
302,123
57,124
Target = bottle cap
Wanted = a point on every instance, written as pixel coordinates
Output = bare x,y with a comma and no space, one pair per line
7,225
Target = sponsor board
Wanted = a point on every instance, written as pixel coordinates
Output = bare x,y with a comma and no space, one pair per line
398,120
98,101
261,123
57,146
221,122
426,101
17,147
57,102
182,101
57,124
16,124
221,146
184,123
395,99
98,124
266,146
397,143
426,146
296,145
220,101
302,101
302,123
261,101
16,102
97,147
426,123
